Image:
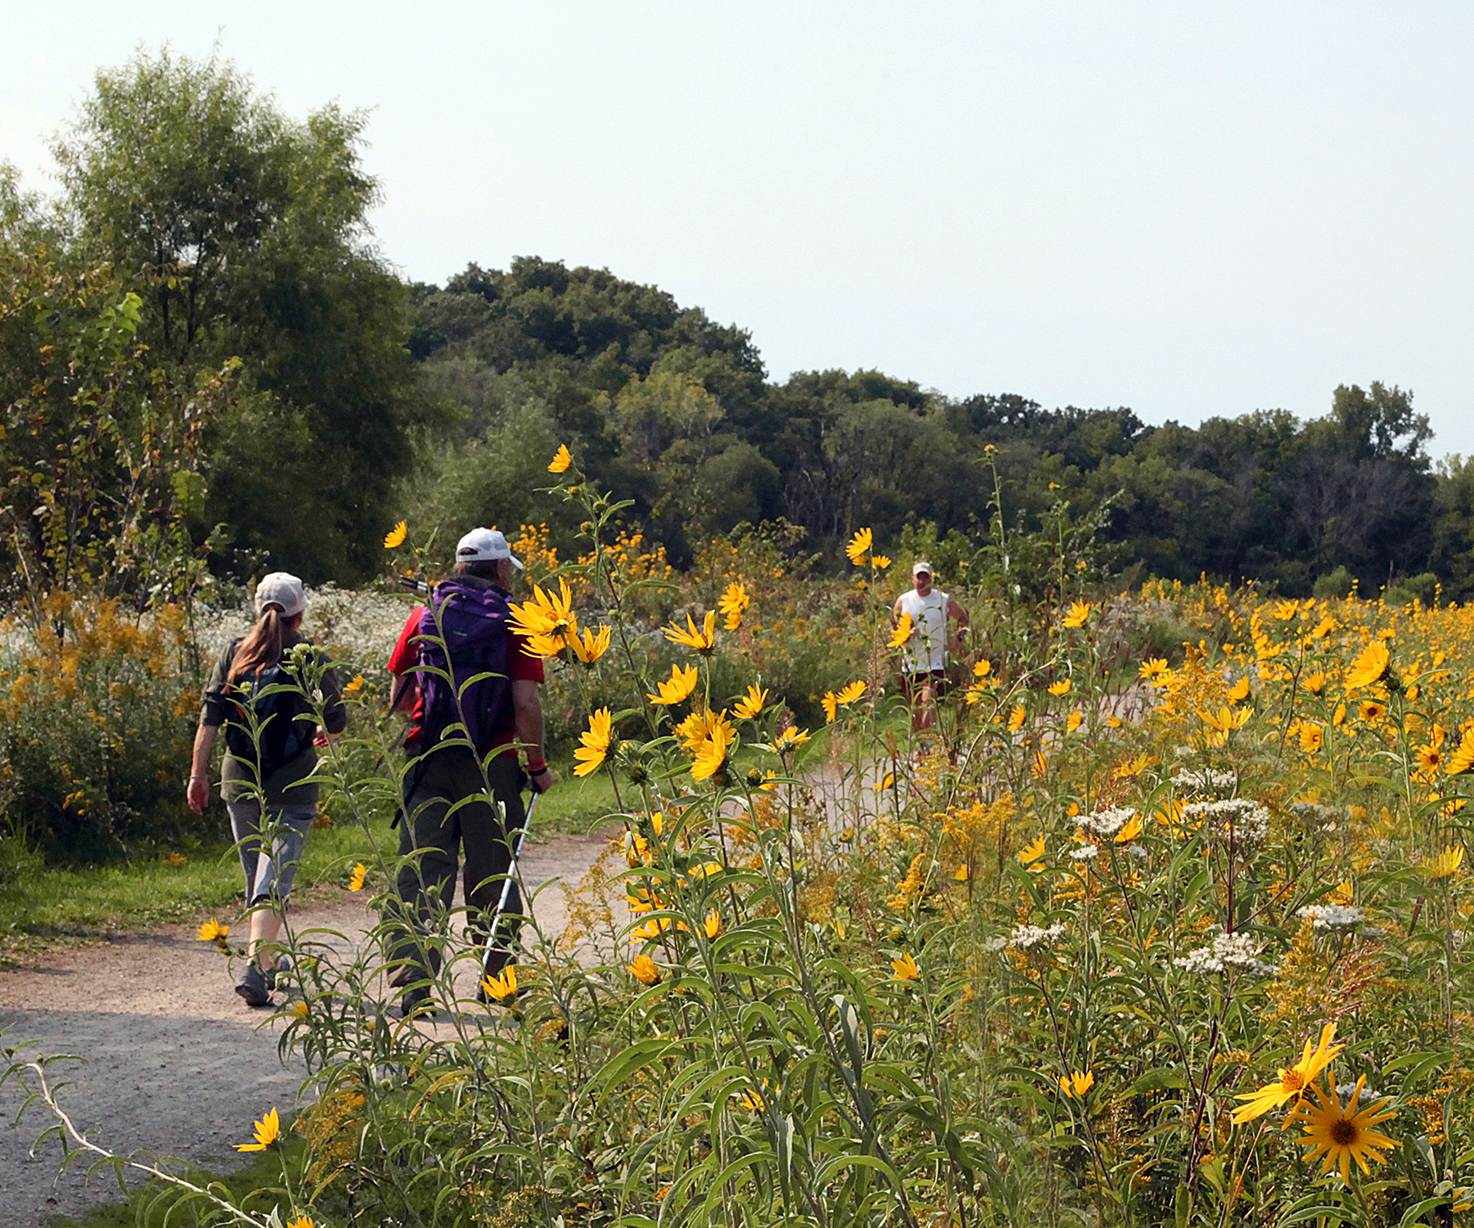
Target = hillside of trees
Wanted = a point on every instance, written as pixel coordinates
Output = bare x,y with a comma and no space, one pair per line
208,267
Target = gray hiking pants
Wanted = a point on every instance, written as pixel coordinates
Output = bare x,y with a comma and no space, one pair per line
435,834
269,850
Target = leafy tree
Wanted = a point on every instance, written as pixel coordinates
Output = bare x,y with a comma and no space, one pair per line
100,450
245,234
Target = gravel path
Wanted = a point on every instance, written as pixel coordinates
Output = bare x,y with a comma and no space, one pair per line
173,1063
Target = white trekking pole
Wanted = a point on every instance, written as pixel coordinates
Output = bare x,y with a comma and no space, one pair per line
501,904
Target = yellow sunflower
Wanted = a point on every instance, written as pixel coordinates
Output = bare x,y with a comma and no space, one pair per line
703,639
676,688
1336,1134
1370,664
594,743
1293,1080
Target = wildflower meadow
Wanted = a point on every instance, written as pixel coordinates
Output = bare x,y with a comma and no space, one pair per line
1141,930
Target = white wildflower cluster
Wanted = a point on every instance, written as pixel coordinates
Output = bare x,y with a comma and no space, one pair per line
1333,916
1368,1093
1106,823
1244,821
1227,953
1205,779
358,628
1032,937
1086,852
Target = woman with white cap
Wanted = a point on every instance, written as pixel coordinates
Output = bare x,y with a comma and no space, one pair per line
262,690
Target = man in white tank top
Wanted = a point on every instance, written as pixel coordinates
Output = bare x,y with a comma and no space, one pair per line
924,655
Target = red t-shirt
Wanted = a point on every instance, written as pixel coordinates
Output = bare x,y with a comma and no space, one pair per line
522,666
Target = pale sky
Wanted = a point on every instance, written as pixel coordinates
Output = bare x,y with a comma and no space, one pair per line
1190,209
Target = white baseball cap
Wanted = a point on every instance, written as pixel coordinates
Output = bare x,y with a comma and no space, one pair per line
281,588
921,566
484,546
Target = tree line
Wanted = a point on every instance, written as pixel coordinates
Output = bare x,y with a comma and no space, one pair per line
206,364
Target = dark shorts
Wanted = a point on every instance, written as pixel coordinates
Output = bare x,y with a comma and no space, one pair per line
912,684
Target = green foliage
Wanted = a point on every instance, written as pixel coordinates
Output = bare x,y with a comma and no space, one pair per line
1333,584
244,235
96,712
100,450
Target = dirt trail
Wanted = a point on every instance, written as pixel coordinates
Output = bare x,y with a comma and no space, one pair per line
174,1064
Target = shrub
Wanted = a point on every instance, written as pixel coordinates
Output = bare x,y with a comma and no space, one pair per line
96,714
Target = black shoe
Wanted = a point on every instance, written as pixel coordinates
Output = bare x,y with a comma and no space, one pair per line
417,1004
252,986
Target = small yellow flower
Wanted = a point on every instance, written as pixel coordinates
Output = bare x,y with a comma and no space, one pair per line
859,546
1463,757
712,753
355,880
502,986
1078,613
753,1101
1154,670
904,968
548,613
1370,664
880,561
562,460
903,631
962,873
1446,864
594,743
703,639
1293,1081
750,704
712,924
1062,687
676,688
733,605
302,1221
1239,691
1077,1084
212,931
267,1131
395,537
1032,854
354,686
643,969
588,646
982,668
1130,829
850,692
792,737
300,1011
1074,721
1016,718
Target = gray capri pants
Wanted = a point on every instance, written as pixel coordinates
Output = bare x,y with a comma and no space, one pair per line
269,870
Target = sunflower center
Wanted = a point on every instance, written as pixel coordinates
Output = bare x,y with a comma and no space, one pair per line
1344,1133
1293,1081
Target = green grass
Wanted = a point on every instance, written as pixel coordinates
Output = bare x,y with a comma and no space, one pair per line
145,1208
41,903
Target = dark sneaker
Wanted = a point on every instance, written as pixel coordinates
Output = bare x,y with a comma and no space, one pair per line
281,969
252,986
417,1004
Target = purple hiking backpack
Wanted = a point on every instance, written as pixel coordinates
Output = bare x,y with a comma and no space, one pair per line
474,625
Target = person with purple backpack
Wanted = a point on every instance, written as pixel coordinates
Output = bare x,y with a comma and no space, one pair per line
463,742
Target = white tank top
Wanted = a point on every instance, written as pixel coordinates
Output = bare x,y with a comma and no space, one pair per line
926,650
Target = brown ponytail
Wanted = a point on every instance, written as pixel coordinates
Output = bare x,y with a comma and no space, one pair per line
263,645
